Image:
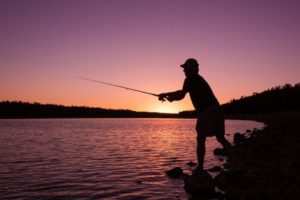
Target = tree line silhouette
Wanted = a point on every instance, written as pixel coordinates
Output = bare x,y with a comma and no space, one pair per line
276,99
18,109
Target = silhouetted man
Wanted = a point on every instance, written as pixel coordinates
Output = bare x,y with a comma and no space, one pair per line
210,116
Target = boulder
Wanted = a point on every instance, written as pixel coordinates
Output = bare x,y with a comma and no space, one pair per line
215,169
293,192
220,152
200,183
223,180
238,178
191,164
238,138
233,193
176,172
252,193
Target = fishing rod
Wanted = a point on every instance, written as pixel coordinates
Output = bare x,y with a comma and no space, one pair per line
119,86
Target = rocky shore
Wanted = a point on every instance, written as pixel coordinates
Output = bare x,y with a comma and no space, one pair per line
262,164
265,164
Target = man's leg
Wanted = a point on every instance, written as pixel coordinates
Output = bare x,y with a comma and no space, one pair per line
200,150
220,131
226,145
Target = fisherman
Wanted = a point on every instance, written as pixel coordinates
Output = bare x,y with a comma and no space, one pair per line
210,118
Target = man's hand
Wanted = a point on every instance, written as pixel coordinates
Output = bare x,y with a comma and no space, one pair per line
172,96
162,97
165,96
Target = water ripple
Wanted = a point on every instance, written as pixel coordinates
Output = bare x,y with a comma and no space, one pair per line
99,158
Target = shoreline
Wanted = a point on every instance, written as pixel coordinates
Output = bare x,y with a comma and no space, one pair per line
265,164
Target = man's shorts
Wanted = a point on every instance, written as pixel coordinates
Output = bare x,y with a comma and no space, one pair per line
211,122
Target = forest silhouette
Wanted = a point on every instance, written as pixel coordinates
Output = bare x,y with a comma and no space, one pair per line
18,109
276,99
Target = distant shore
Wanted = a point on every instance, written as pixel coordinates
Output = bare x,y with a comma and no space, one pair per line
269,117
26,110
265,165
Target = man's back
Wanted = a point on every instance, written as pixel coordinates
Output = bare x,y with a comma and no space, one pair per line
200,92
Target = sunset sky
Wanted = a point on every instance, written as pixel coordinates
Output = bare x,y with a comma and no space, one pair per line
242,46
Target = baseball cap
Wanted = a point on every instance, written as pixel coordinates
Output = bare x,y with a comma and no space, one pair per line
190,62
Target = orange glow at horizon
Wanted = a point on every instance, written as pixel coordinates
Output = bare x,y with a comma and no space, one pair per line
140,44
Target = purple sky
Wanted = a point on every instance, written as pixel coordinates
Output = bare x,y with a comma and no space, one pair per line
242,46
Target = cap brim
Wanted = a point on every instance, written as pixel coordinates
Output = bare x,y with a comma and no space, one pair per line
183,65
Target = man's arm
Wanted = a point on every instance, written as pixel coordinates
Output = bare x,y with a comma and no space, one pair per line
172,96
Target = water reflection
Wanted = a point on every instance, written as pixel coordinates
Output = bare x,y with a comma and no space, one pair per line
98,158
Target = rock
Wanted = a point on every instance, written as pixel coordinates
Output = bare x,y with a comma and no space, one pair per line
176,172
220,152
226,166
292,193
264,165
232,193
252,193
254,133
272,194
229,178
191,164
138,182
215,169
200,183
288,168
238,138
223,180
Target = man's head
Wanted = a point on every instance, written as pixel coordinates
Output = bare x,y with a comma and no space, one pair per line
190,67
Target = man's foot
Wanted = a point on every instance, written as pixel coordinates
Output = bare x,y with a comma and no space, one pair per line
197,170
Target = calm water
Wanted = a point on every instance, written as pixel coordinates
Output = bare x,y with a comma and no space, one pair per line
100,158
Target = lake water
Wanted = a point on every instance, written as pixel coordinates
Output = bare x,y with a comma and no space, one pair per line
100,158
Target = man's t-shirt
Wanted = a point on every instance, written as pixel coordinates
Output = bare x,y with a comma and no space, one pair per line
200,92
